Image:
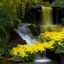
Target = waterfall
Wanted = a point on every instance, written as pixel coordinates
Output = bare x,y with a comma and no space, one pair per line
46,23
47,19
24,32
47,15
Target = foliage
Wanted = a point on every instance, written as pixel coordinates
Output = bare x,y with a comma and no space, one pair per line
46,4
19,5
5,23
12,6
58,38
58,3
62,20
30,3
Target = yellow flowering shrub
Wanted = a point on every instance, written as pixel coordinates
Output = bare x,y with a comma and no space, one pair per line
56,36
48,40
24,50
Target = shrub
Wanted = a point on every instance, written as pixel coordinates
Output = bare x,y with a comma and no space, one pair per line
6,22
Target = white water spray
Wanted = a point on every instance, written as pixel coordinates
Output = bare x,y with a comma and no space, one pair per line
24,32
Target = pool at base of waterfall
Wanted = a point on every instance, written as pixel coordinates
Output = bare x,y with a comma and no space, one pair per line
41,63
28,63
6,61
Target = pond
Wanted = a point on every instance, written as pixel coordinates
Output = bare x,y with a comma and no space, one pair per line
5,61
40,63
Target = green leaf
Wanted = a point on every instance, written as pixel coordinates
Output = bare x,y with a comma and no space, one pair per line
59,51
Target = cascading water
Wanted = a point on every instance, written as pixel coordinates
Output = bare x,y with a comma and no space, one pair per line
47,15
46,23
46,18
24,32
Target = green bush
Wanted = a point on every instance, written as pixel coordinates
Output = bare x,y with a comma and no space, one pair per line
6,21
19,5
58,3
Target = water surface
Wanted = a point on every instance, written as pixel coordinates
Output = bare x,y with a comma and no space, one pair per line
5,61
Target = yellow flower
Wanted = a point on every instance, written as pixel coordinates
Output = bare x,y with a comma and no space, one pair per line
59,43
21,53
14,51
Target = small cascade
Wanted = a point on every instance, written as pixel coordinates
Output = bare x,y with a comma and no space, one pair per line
47,19
46,23
24,32
47,15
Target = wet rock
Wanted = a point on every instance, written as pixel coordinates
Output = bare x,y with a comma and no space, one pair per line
15,39
35,30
